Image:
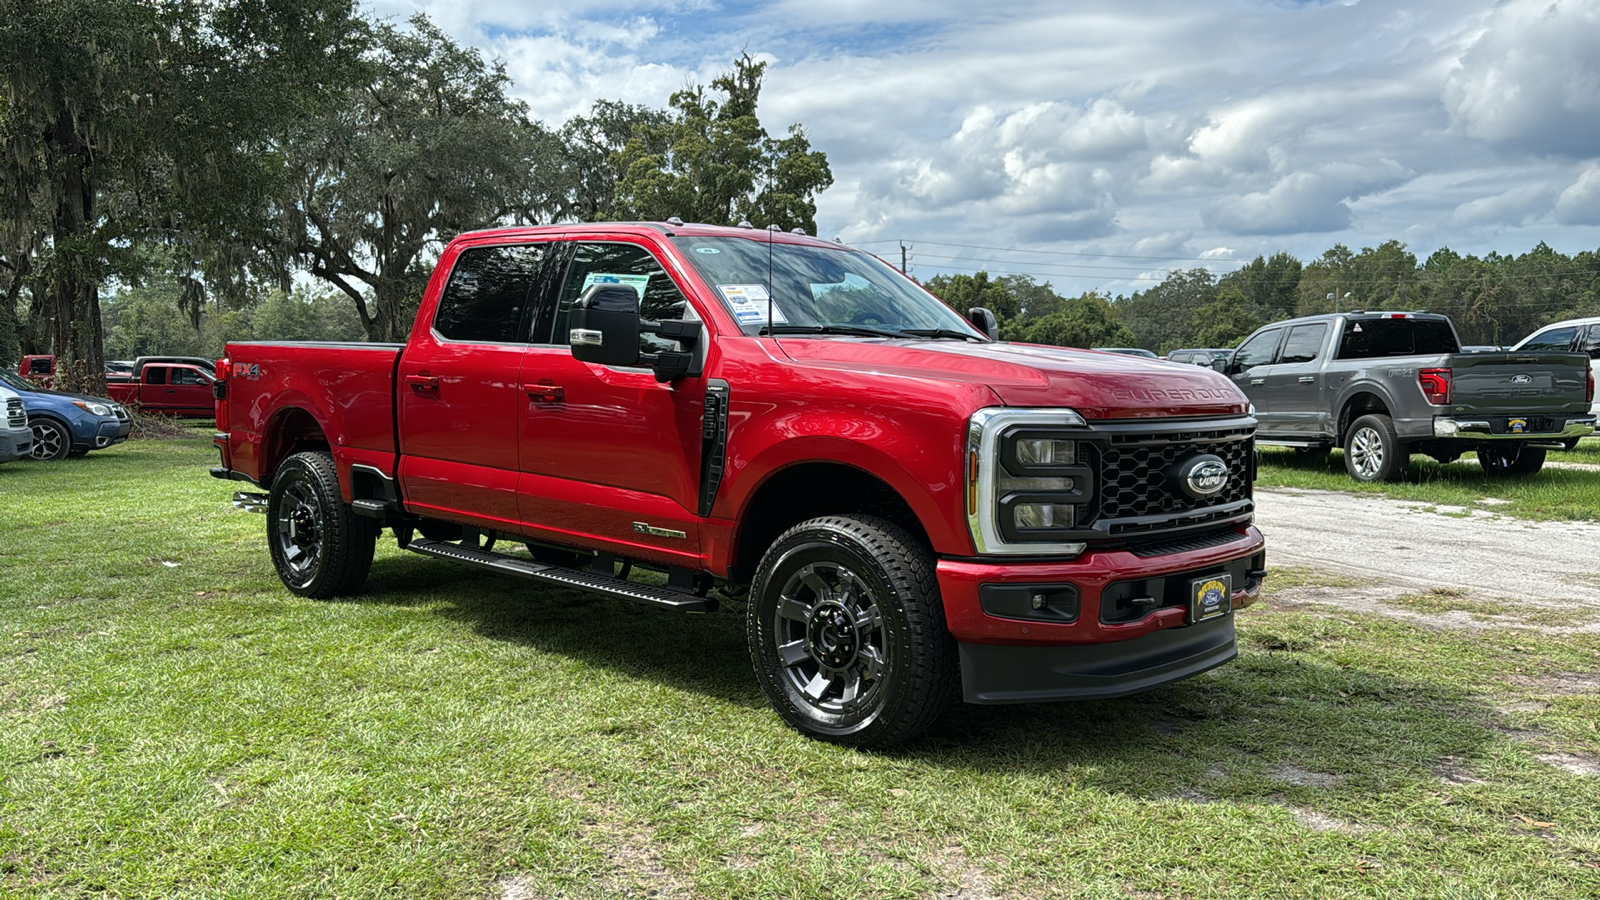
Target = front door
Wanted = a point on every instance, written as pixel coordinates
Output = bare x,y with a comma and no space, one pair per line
459,388
1249,368
1293,389
610,456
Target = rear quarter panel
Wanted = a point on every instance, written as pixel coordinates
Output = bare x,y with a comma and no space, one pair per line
347,389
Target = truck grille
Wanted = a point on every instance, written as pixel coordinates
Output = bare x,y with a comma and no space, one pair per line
1135,493
15,417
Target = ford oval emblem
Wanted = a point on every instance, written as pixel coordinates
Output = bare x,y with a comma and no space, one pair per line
1522,379
1201,476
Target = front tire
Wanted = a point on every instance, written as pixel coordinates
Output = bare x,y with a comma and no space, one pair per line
1373,452
847,632
51,440
1501,460
320,548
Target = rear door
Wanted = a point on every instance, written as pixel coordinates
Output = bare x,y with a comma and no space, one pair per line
610,457
458,387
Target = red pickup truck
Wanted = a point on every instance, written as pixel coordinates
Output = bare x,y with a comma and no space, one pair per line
180,389
673,413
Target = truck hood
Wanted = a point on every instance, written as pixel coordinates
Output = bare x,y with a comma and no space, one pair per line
1096,385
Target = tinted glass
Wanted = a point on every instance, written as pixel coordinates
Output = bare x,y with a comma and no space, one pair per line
1591,343
1304,343
487,292
155,375
1257,351
186,376
629,264
1554,339
1375,338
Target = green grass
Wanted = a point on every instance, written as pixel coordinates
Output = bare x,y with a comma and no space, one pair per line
1551,494
174,724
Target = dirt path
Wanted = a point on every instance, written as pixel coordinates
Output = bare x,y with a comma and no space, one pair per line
1408,545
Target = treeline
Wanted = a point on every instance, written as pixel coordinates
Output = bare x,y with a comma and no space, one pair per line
213,157
1493,299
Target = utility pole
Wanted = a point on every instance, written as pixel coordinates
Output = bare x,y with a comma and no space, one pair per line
903,249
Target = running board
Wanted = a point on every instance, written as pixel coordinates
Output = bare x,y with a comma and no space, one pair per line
593,582
1269,442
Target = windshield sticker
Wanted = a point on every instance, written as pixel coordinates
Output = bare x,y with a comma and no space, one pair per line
637,282
749,303
707,250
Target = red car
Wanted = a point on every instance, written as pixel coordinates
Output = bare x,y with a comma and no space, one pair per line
917,511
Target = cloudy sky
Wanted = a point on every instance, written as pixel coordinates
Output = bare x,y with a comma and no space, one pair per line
1098,144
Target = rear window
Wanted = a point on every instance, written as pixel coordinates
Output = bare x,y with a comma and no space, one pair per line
1375,338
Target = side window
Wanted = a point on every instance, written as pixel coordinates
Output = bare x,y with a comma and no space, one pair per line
1591,342
1554,339
1257,351
1304,343
627,264
186,376
488,290
155,375
1178,357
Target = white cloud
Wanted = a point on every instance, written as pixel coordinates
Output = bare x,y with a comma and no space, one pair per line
1306,201
1579,204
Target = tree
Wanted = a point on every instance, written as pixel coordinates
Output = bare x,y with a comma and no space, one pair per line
1085,321
1268,285
963,292
713,162
126,119
428,144
581,182
1165,317
1227,320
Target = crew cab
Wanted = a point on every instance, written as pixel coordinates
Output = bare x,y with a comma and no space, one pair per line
181,389
1386,384
680,414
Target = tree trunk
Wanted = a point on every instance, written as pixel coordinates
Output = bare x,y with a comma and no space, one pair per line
74,296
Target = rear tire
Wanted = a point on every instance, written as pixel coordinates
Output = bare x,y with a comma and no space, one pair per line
1373,452
1502,460
319,546
847,632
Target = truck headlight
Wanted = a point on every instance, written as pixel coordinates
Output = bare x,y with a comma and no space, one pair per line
1028,488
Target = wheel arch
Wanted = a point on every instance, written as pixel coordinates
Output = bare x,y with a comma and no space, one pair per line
807,489
290,429
1362,401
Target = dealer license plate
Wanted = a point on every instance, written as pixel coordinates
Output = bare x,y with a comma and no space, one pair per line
1210,597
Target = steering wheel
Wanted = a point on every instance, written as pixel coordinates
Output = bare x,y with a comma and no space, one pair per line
869,317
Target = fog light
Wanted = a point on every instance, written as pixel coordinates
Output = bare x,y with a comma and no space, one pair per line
1047,452
1043,515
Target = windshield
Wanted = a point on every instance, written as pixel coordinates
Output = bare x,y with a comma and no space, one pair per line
17,382
818,290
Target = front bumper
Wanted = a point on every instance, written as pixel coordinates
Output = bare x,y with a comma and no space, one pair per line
1482,429
111,431
15,444
1104,651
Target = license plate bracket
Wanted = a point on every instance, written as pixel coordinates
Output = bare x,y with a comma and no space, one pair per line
1210,597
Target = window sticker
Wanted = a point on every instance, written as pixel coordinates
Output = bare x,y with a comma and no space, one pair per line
637,282
749,303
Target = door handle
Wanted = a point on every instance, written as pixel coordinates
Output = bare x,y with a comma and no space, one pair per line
544,393
423,382
1307,379
1258,381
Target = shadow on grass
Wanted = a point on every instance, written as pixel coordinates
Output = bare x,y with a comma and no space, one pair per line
1229,732
1422,470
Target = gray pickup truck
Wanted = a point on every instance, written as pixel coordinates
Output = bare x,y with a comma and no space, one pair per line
1384,385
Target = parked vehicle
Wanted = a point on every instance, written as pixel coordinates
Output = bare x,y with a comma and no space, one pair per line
69,424
909,505
1576,335
180,389
128,369
1129,351
1202,357
1386,385
16,438
40,368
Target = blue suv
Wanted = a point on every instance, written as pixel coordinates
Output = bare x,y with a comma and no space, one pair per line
69,424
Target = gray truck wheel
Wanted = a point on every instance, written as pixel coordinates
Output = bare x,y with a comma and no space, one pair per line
1501,460
1373,452
320,548
847,632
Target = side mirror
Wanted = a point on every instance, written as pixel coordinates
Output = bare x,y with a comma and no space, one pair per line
1221,364
985,321
605,326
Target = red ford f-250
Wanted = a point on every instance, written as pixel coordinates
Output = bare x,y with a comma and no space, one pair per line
915,508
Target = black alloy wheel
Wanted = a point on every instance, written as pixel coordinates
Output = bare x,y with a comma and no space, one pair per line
319,547
847,632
